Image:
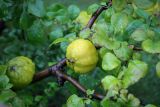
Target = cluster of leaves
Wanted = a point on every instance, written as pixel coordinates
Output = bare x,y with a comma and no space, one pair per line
30,29
42,32
121,29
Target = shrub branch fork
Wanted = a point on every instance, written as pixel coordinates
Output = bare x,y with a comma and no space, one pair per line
56,70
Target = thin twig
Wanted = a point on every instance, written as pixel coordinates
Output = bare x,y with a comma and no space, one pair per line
97,13
47,72
56,70
76,83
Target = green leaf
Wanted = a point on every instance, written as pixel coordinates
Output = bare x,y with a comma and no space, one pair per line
145,4
101,36
62,19
3,69
151,46
55,7
63,46
118,5
71,36
133,101
27,99
150,105
38,98
92,8
108,13
139,35
75,101
4,10
119,21
17,102
133,25
83,79
103,51
5,95
52,63
25,20
85,33
110,62
135,71
73,11
124,52
110,82
137,55
105,0
37,8
35,33
55,11
89,92
158,69
109,103
142,13
59,40
4,82
128,9
56,33
83,18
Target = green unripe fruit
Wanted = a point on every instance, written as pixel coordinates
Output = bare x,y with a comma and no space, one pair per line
20,71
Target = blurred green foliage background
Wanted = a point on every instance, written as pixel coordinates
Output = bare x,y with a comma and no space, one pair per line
18,39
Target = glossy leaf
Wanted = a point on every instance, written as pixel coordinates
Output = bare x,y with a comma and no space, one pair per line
35,33
73,11
124,52
92,8
133,25
85,33
37,8
151,46
133,101
110,82
55,10
56,33
108,13
119,21
135,71
103,51
83,18
142,13
109,103
101,37
118,5
139,35
59,40
145,4
110,62
75,101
